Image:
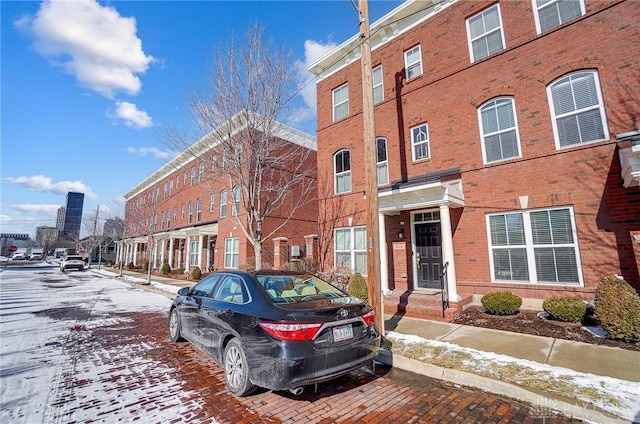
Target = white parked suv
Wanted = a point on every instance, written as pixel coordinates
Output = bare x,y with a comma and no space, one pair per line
72,262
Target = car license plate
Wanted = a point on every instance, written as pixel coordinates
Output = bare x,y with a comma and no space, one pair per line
343,332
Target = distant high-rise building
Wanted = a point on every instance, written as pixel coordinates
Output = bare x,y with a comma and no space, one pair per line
60,219
73,216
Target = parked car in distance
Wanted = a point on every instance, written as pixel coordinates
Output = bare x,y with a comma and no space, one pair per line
72,262
278,330
36,256
18,257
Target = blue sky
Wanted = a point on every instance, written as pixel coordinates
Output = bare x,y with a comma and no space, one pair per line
87,88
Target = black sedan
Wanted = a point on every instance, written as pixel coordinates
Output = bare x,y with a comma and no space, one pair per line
273,329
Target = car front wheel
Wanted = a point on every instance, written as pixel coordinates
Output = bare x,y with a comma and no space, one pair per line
174,326
236,369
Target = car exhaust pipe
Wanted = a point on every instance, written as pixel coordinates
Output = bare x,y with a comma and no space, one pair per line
297,391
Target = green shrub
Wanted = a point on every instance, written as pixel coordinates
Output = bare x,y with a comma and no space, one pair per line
180,270
196,274
130,266
166,269
501,303
570,309
617,307
357,286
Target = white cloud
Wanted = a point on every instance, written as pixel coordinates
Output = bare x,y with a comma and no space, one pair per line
144,151
92,42
313,50
131,116
43,184
5,219
47,209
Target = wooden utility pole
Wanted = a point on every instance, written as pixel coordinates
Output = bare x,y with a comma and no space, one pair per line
370,170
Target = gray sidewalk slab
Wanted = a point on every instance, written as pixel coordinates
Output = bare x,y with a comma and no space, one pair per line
600,360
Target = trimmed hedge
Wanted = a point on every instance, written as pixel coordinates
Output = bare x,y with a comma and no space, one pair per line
166,269
569,309
617,307
501,303
358,286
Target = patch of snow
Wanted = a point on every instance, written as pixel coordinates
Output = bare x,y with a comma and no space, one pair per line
627,393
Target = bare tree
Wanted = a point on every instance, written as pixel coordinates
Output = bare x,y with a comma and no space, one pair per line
251,91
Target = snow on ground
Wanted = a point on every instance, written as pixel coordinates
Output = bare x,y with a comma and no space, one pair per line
35,365
619,397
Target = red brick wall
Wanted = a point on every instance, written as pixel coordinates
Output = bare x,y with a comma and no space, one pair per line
447,96
302,222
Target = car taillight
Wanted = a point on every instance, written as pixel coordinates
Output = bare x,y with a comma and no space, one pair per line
291,330
369,318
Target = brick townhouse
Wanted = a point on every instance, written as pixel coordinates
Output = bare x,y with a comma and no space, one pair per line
189,212
508,149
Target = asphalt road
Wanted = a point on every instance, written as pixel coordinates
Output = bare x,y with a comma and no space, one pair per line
76,347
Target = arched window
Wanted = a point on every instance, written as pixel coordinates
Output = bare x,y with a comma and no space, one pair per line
577,109
236,200
199,210
500,138
342,171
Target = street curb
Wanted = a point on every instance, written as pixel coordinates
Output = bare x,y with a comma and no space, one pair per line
504,389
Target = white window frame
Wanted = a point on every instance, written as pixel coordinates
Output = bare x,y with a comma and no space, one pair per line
382,166
553,3
484,35
223,203
232,252
193,175
337,104
190,220
171,187
212,202
378,84
199,210
599,107
182,215
415,143
194,253
357,254
530,247
410,66
493,104
201,173
235,199
343,174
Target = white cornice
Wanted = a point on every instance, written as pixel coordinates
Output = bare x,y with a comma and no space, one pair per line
400,20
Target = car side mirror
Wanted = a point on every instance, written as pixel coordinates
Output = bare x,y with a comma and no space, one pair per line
184,291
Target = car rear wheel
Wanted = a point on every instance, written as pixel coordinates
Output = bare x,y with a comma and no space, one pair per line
174,326
236,369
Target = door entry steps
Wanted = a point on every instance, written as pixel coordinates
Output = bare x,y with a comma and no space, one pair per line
423,304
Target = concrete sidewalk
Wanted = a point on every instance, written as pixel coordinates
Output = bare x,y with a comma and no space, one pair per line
548,392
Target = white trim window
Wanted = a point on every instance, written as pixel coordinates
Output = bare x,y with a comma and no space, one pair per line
231,252
534,246
235,198
420,148
342,171
199,210
413,63
500,137
194,253
201,173
350,248
382,166
378,87
182,214
485,34
171,187
162,221
552,13
577,109
192,179
166,190
223,203
212,202
190,221
340,99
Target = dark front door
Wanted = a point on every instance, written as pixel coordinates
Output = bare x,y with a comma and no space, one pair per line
428,255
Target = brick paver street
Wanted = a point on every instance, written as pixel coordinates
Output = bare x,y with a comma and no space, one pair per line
135,373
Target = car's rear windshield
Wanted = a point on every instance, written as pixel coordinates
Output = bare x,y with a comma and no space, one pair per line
74,258
298,288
